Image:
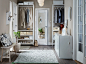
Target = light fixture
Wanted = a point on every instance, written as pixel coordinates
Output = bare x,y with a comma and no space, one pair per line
41,2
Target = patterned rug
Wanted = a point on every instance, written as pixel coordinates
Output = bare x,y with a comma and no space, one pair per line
37,56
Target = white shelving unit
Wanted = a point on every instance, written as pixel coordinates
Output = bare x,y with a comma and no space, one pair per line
60,4
30,4
26,30
25,39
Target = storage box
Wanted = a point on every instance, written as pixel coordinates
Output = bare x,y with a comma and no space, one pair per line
26,3
30,3
20,4
29,33
56,28
23,33
57,2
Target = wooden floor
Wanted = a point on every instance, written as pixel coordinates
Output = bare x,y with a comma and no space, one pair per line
61,61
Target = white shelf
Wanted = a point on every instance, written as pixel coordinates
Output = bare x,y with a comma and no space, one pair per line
26,43
26,35
6,56
25,39
55,31
26,30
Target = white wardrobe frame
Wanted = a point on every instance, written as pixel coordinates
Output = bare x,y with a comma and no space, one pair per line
33,21
53,19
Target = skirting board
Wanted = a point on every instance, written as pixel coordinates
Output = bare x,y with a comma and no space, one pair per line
50,43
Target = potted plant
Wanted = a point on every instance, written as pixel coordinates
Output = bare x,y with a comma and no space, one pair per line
17,35
41,31
17,46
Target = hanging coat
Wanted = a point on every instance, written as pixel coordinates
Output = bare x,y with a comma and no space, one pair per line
22,17
62,15
30,18
59,17
27,15
55,16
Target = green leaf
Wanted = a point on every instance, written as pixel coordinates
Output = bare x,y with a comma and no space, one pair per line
17,34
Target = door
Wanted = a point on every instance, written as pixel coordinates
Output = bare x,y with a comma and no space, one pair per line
15,19
80,38
42,26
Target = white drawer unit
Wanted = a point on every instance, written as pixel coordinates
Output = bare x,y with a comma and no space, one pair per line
63,46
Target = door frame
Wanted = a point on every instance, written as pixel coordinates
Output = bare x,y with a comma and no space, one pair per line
75,19
36,36
74,29
79,54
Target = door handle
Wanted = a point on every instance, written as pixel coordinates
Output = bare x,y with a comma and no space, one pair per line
69,43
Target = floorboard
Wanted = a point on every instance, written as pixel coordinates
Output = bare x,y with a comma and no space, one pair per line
61,61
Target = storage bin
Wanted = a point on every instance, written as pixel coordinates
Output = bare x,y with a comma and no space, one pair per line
29,33
56,28
23,33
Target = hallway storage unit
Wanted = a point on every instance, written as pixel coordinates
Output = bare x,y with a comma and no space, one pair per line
57,18
26,23
63,46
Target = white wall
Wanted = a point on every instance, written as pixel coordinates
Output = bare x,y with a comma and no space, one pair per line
4,7
69,3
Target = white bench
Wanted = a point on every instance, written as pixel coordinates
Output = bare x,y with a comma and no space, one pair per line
8,55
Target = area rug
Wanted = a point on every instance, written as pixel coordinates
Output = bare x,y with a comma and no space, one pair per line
37,56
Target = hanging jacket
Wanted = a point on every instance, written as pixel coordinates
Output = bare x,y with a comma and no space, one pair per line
27,15
55,16
59,17
30,18
62,15
22,17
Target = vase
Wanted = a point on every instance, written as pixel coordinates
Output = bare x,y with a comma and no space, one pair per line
17,47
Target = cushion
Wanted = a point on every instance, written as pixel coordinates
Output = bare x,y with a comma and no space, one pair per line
6,40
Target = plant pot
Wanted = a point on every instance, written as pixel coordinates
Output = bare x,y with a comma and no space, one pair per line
17,47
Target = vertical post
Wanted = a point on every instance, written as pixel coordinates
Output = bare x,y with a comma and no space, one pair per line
9,56
2,55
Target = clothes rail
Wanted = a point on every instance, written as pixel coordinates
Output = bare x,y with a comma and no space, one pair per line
25,6
58,5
